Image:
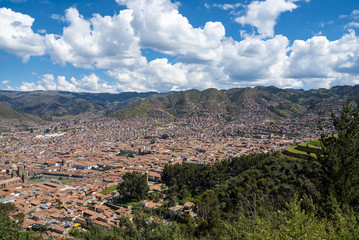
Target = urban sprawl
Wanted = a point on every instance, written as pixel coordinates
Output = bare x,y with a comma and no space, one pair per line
56,173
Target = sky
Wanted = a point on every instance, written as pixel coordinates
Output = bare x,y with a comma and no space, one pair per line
162,45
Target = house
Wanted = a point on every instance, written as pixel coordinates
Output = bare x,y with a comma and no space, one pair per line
177,208
151,205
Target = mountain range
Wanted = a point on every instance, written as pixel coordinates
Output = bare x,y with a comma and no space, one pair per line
259,102
11,114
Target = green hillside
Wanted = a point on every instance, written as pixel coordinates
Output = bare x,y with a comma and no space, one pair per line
11,114
259,103
252,103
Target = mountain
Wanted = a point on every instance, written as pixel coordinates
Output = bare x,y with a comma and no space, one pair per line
259,103
56,103
8,113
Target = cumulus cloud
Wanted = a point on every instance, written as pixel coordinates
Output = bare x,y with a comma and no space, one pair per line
253,61
92,83
263,15
204,57
250,62
161,27
26,86
160,75
5,85
100,42
323,63
88,83
17,37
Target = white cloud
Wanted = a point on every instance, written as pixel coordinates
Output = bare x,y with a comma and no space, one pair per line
48,82
26,86
58,17
263,15
323,63
205,57
5,85
161,27
227,6
91,83
352,25
247,63
160,75
355,13
254,61
43,31
17,37
101,42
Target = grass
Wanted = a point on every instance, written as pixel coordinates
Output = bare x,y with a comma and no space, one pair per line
140,110
313,144
36,180
67,129
316,143
67,181
296,151
109,189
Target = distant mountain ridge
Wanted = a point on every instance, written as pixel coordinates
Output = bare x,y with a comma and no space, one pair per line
259,103
57,103
8,113
245,103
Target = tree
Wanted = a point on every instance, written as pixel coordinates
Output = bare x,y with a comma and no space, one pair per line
340,159
134,187
207,205
59,203
207,209
9,229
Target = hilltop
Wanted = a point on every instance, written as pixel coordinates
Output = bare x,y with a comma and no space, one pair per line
46,104
259,103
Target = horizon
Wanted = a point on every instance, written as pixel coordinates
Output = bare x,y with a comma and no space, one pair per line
164,46
175,91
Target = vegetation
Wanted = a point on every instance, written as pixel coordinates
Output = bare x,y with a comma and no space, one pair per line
9,226
262,196
340,161
109,189
228,104
300,153
67,181
134,187
140,228
9,113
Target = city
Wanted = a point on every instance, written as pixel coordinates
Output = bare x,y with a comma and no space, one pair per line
56,174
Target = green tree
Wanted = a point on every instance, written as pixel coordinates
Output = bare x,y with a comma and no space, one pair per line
340,159
9,229
207,205
207,209
134,187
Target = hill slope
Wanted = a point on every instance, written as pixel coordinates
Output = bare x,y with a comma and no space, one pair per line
8,113
54,103
259,103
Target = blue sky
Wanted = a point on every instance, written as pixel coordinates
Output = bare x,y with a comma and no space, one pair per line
163,45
